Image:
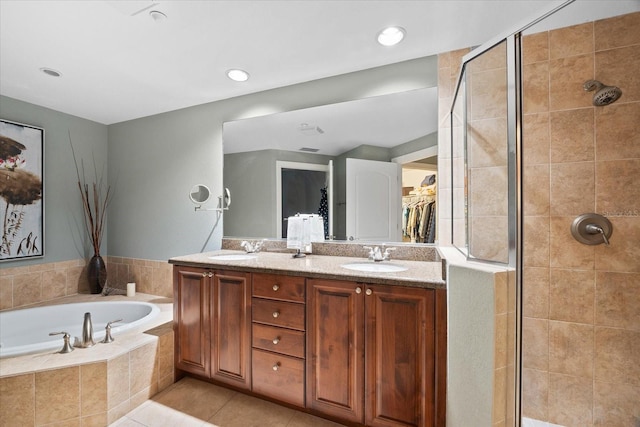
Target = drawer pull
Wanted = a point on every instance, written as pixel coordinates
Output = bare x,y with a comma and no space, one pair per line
358,290
276,366
276,314
276,340
210,274
368,292
275,287
204,274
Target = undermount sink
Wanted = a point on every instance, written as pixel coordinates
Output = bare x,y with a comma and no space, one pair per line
374,267
233,257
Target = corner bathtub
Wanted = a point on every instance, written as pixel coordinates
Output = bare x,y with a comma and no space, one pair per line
25,331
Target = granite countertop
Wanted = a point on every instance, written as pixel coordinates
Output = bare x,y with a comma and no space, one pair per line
422,274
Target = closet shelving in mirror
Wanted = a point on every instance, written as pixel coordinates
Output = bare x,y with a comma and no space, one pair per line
419,215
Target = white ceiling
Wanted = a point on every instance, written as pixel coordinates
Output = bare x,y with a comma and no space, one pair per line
118,64
381,121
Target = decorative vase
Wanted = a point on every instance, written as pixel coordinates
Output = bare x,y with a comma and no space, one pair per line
97,272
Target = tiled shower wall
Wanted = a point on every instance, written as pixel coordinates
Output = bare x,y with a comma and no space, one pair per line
581,338
21,286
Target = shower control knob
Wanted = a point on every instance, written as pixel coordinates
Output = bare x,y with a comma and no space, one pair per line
592,229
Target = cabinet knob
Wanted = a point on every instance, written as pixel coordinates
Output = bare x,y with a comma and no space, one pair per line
210,274
368,292
276,366
276,340
276,287
276,314
358,290
204,274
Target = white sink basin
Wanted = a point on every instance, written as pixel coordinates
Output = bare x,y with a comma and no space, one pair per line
374,267
233,257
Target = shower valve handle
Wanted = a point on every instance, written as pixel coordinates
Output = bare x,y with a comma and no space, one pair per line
595,229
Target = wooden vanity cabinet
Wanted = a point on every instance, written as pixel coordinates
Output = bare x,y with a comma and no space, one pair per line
279,326
371,353
212,314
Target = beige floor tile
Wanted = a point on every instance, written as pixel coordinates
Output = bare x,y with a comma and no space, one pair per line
126,422
300,419
194,403
247,411
195,398
155,414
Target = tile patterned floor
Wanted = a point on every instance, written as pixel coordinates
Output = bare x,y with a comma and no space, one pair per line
194,403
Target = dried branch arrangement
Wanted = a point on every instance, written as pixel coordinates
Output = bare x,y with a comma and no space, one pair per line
95,201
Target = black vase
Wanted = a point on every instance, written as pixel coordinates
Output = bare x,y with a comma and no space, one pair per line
97,272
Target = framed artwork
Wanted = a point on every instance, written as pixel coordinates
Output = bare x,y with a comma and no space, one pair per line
21,191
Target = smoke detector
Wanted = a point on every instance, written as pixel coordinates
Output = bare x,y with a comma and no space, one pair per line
310,130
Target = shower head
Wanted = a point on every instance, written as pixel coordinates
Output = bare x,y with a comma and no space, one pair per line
604,95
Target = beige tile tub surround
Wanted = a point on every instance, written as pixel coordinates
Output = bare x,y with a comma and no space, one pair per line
21,286
89,387
151,277
581,332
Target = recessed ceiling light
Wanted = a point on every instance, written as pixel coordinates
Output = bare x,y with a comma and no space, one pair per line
238,75
391,36
51,72
157,16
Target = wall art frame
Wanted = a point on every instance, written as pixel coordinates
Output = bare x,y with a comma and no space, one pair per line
22,214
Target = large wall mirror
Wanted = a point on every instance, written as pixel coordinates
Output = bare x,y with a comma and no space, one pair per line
279,164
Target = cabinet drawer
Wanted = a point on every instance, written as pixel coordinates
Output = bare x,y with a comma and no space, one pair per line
277,376
285,341
274,286
278,313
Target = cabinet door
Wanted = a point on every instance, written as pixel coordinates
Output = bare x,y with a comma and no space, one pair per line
230,303
191,319
399,356
335,334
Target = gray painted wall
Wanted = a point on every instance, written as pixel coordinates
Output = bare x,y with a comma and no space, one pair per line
158,159
65,238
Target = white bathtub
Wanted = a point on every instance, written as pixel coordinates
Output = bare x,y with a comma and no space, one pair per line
27,330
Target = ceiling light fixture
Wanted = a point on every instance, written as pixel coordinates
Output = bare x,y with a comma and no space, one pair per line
391,36
157,16
51,72
238,75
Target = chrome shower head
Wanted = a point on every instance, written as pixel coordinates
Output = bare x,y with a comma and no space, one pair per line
604,95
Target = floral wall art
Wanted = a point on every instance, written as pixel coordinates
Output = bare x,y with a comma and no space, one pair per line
21,191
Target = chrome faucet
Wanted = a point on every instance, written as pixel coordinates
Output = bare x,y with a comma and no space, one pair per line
376,254
252,247
87,332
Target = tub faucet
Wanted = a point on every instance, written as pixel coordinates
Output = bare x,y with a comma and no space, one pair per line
107,332
67,346
87,332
